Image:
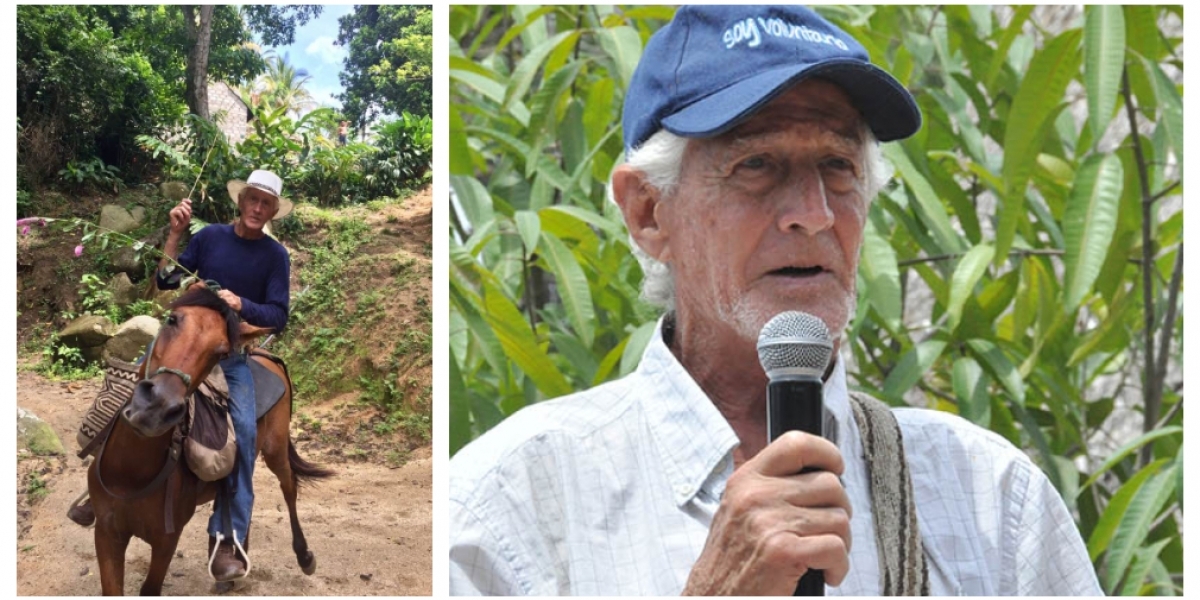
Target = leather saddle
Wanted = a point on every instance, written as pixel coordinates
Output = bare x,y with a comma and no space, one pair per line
268,387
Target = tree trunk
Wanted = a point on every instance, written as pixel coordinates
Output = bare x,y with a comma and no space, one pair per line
199,35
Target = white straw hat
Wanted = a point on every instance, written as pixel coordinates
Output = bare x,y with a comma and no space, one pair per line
267,182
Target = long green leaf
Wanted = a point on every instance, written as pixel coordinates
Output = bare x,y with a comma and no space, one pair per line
624,46
474,199
460,152
882,276
519,343
1038,437
1141,36
1036,104
1135,525
572,286
1106,336
544,103
611,228
1102,534
972,266
1041,92
1020,17
971,389
1104,49
911,369
532,21
610,362
469,306
1171,106
1089,223
931,209
523,75
598,116
993,359
1143,561
1129,448
460,409
515,145
631,355
529,226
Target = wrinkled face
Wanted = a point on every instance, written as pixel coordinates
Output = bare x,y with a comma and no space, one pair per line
192,340
769,216
258,208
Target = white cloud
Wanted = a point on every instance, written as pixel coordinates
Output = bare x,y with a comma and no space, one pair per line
325,95
324,49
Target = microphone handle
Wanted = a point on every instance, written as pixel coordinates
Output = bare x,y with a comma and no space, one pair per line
798,404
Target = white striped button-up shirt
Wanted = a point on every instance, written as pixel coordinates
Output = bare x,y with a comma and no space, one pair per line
611,491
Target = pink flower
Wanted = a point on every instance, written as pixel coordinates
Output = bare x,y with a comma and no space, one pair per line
79,250
25,230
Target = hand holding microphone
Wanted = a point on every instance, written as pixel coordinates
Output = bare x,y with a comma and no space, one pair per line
784,515
794,349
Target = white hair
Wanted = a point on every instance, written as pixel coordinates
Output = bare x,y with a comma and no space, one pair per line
660,160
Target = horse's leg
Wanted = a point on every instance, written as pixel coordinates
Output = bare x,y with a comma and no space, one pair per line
160,558
110,553
276,449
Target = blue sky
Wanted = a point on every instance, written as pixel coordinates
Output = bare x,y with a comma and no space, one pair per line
315,51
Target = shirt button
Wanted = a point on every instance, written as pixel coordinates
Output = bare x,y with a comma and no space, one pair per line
683,490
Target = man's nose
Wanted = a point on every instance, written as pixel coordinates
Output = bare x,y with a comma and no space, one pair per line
806,209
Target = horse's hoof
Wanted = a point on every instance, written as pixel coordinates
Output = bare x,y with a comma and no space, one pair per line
309,564
223,587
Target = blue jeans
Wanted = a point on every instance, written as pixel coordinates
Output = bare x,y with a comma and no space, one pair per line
245,426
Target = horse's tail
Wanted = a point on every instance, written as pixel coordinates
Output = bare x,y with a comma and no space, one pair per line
302,470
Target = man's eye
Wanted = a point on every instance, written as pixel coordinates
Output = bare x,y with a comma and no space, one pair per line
754,162
839,164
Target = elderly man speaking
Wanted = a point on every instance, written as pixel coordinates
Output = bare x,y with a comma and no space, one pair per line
752,144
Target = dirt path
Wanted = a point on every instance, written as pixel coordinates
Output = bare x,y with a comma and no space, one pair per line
369,527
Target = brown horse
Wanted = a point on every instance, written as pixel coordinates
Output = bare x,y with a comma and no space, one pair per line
133,476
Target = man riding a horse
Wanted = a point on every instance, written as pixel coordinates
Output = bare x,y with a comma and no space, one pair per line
252,270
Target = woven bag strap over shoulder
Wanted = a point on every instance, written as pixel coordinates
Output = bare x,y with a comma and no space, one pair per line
897,536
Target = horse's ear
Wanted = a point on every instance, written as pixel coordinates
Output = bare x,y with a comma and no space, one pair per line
249,332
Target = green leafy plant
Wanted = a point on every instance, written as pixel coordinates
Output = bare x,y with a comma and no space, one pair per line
95,297
92,173
64,362
35,487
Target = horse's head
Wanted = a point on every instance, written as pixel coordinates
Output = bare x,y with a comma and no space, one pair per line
200,330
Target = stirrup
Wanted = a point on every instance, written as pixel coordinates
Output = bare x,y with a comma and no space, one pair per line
217,547
80,500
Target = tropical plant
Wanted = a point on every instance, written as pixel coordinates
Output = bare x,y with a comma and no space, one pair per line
1024,269
92,173
282,85
403,160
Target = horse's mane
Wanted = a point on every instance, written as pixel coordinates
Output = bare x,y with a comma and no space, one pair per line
206,298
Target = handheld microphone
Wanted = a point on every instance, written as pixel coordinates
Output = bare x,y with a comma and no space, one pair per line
794,349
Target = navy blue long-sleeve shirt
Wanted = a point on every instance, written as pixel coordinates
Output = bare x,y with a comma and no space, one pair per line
256,270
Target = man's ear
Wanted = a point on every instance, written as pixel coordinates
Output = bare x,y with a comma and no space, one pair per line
639,202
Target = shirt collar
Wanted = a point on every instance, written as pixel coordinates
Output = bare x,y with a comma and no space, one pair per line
694,440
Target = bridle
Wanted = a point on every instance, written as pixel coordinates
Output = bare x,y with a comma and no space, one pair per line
173,450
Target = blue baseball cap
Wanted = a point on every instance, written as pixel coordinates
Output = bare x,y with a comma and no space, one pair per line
712,67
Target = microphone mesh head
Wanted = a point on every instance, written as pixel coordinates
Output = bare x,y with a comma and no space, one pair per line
794,342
